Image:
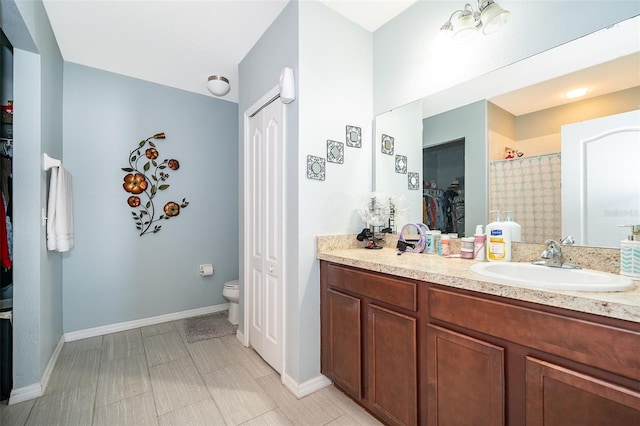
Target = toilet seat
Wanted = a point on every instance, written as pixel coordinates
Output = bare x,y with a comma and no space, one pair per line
232,284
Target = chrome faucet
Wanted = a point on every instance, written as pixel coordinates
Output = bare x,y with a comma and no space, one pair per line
552,255
568,241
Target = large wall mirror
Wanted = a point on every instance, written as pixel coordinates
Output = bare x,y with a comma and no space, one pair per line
520,111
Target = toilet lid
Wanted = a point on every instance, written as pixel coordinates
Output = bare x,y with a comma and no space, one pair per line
232,284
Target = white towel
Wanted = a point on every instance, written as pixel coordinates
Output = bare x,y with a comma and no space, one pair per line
60,211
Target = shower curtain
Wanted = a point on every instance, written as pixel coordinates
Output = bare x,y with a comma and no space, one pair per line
530,188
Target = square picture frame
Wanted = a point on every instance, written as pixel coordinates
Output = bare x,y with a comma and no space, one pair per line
354,136
413,179
335,152
387,144
401,164
316,167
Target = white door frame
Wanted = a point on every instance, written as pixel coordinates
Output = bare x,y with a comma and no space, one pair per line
267,98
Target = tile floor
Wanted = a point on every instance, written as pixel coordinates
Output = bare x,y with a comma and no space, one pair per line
152,376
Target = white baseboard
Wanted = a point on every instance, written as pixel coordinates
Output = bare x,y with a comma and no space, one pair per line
26,393
46,375
129,325
240,336
37,389
306,388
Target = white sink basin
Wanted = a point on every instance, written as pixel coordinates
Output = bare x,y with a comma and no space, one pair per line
545,277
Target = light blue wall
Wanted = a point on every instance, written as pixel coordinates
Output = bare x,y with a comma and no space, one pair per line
259,71
468,122
113,275
37,128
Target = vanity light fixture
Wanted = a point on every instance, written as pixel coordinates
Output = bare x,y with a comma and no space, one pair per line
218,85
464,24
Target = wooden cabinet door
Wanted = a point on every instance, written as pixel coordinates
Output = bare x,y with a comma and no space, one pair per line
563,397
465,380
341,349
392,366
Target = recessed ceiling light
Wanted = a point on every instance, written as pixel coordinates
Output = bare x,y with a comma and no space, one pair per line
576,93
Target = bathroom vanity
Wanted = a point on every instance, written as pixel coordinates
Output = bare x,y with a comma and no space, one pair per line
419,339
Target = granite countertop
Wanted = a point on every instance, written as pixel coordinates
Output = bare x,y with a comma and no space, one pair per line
456,272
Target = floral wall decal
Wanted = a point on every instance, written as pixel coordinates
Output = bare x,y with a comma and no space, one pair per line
145,183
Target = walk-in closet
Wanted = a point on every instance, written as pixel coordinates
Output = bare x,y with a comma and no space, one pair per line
6,230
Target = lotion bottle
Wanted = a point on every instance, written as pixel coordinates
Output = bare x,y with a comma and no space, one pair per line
516,229
498,240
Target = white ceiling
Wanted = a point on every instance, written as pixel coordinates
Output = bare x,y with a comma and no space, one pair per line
608,77
180,43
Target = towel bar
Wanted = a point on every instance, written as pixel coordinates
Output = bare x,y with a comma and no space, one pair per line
50,162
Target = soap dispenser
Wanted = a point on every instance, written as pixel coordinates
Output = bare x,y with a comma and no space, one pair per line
516,229
630,252
498,239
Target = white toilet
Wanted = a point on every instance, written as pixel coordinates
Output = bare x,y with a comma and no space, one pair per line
231,292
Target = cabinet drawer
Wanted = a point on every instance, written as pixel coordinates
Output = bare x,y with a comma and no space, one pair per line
395,291
560,396
605,347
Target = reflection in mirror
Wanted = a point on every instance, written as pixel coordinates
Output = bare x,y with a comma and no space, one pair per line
600,157
401,164
531,124
443,171
414,181
387,144
527,158
404,125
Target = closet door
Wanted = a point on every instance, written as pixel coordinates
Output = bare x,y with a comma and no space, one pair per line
265,215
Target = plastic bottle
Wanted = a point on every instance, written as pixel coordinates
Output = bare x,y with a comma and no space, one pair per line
516,229
479,246
430,248
437,245
498,240
445,245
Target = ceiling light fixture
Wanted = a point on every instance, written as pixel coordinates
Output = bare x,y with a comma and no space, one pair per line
576,93
218,85
464,24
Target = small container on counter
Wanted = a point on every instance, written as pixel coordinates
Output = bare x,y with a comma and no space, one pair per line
445,245
431,247
466,250
437,237
630,252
